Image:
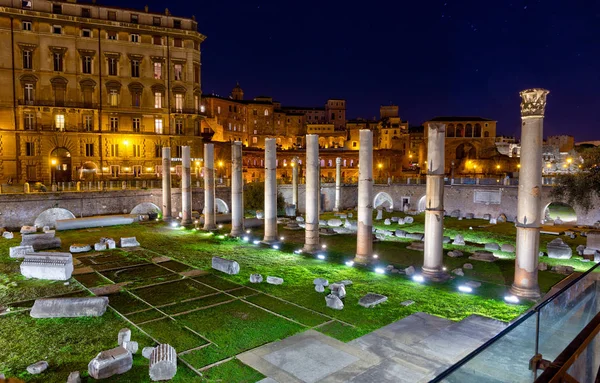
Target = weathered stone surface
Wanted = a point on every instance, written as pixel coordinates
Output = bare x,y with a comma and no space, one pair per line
110,243
501,218
459,240
487,217
321,281
8,235
580,249
335,222
455,214
395,219
409,220
163,363
469,216
402,221
290,210
407,303
492,246
20,251
28,230
338,289
42,241
129,242
319,288
446,240
467,266
334,302
123,336
372,299
79,248
458,272
131,346
74,377
566,270
147,351
299,219
493,221
256,278
322,222
69,307
418,246
557,249
473,284
484,256
387,222
100,246
400,233
274,280
455,254
410,271
50,266
507,248
50,216
379,216
225,265
46,229
111,362
415,236
95,221
37,368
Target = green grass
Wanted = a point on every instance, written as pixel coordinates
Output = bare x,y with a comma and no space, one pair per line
195,304
243,292
340,331
288,310
232,371
144,316
216,282
126,303
137,273
175,266
173,333
91,280
172,292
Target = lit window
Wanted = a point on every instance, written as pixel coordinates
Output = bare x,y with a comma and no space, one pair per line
158,100
179,102
157,70
59,121
158,126
113,97
135,124
179,126
88,123
29,121
114,124
28,94
178,70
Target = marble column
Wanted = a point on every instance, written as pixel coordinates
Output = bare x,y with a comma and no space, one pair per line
270,191
311,232
364,236
338,184
166,183
237,187
433,263
295,182
186,186
210,222
529,207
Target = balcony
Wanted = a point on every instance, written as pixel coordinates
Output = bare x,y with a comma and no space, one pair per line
52,103
186,111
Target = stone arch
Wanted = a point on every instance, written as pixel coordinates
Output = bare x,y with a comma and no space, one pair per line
60,165
221,206
50,216
421,206
383,200
557,209
88,171
146,208
469,130
450,130
477,131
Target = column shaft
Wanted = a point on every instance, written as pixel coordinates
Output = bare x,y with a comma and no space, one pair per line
295,182
186,187
237,187
311,233
210,221
270,191
166,183
364,236
338,184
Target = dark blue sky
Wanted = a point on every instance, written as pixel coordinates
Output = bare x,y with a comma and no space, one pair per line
468,57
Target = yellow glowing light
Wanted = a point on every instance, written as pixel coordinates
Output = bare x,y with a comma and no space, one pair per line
284,164
127,169
149,169
569,160
220,164
172,169
497,166
197,163
53,162
126,142
379,166
519,165
548,166
105,169
564,166
293,164
410,156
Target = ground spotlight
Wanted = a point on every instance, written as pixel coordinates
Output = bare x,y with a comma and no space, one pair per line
246,239
465,289
174,224
248,231
321,256
418,278
511,299
297,251
281,238
349,263
324,246
379,270
276,247
375,256
221,237
220,226
256,242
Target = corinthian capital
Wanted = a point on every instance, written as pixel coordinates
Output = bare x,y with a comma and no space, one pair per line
533,103
438,126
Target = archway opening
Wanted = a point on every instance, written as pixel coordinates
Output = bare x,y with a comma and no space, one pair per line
60,165
383,200
88,171
560,212
222,207
149,208
422,202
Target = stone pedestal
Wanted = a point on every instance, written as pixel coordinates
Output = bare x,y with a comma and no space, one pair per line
237,186
186,186
433,266
311,237
210,221
364,235
529,209
338,184
270,191
166,183
295,182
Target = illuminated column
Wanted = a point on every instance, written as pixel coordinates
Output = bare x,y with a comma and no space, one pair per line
186,186
237,187
529,208
210,222
311,232
338,184
270,191
166,183
364,236
295,182
433,267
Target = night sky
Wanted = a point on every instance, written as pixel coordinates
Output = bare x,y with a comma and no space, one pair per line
428,57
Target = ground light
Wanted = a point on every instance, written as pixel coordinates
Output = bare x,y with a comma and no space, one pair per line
248,231
321,256
379,270
418,278
276,247
511,299
246,239
297,251
256,242
349,263
221,237
174,224
220,226
281,238
465,289
444,268
375,256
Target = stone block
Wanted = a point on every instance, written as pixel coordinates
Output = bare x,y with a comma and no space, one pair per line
387,222
123,336
69,307
446,240
79,248
8,235
401,221
46,229
409,220
418,246
501,218
379,216
493,221
542,266
28,230
115,361
225,265
455,254
593,239
580,249
372,299
487,217
395,219
110,243
415,236
290,210
100,246
321,281
407,303
74,377
42,241
129,242
401,233
338,289
256,278
484,256
467,266
50,266
455,213
410,271
507,248
346,282
334,222
334,302
319,288
260,214
20,251
557,249
458,272
130,346
565,270
322,222
492,246
163,363
459,240
299,219
469,216
274,280
147,351
37,368
95,221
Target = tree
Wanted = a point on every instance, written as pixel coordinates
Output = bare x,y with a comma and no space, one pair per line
581,188
254,197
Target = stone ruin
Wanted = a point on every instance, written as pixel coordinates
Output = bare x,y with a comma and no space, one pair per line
50,266
163,363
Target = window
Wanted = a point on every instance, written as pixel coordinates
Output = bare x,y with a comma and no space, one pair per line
158,126
158,70
27,60
26,4
157,150
177,42
134,38
57,9
179,126
85,12
136,124
29,121
28,94
112,15
196,103
178,70
156,21
89,150
177,24
354,144
196,45
112,66
178,151
114,169
266,112
59,121
113,97
136,150
136,98
111,35
26,25
179,102
255,140
30,149
157,40
86,63
114,150
114,124
158,100
135,68
86,33
88,123
218,110
57,29
134,18
58,62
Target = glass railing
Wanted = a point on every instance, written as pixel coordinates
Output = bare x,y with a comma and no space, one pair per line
540,334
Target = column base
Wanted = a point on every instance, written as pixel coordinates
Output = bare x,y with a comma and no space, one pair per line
310,249
209,227
362,259
270,240
167,219
532,293
187,222
336,209
236,233
435,275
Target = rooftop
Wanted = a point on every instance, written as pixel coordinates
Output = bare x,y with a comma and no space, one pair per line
459,118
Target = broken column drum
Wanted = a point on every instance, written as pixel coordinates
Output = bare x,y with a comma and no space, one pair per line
186,186
166,183
433,267
270,191
311,236
210,220
237,187
364,235
529,208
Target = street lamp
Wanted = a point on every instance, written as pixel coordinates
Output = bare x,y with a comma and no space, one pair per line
52,173
380,166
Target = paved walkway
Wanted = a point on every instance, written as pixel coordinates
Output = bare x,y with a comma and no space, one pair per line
414,349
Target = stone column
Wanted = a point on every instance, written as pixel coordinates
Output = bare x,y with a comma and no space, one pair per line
166,183
529,208
364,236
210,222
186,186
433,263
338,184
237,187
270,191
295,182
311,232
